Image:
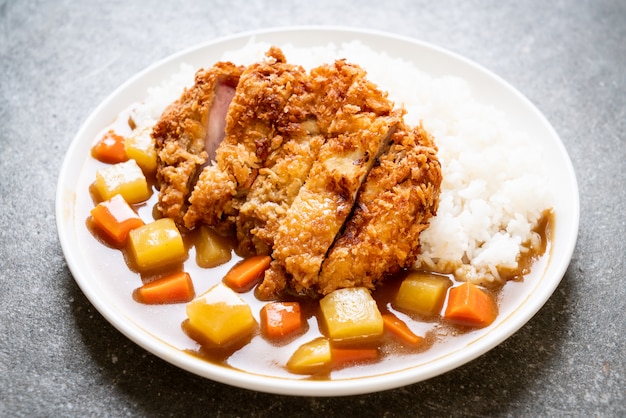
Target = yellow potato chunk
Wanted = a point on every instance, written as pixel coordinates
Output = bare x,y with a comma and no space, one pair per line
220,317
125,179
211,248
139,146
422,293
351,314
156,244
311,358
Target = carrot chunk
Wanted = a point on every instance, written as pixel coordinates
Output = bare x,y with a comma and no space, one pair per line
116,219
471,306
279,319
398,328
245,274
110,148
175,288
344,355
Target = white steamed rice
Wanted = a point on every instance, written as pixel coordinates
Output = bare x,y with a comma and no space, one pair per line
494,189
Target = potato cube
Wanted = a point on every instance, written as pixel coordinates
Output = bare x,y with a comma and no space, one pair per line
220,317
311,358
139,146
351,314
211,248
422,293
125,179
157,244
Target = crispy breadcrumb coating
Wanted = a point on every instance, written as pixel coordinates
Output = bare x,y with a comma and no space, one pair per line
181,134
396,203
254,125
356,134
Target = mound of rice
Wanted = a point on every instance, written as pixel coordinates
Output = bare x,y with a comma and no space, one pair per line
494,189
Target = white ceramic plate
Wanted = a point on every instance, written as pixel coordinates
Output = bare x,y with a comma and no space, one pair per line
157,329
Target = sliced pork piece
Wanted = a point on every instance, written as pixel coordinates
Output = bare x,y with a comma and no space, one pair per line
356,134
188,133
303,126
275,188
255,124
398,199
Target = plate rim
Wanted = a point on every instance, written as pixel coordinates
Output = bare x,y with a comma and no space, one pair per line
281,385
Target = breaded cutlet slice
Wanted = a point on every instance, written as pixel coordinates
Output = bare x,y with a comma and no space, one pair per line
292,151
275,187
398,198
302,128
250,134
188,132
356,134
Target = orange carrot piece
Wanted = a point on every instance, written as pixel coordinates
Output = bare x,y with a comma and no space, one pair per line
343,355
110,148
245,274
175,288
279,319
398,328
116,219
469,305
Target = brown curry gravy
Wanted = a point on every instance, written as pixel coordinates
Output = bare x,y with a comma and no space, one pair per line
433,329
384,295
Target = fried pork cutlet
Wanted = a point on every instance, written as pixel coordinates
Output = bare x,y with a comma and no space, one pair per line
399,197
356,134
316,169
188,133
257,119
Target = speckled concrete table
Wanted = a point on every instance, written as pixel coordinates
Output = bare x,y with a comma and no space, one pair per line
59,59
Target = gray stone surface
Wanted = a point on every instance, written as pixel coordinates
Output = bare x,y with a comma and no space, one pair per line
59,59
